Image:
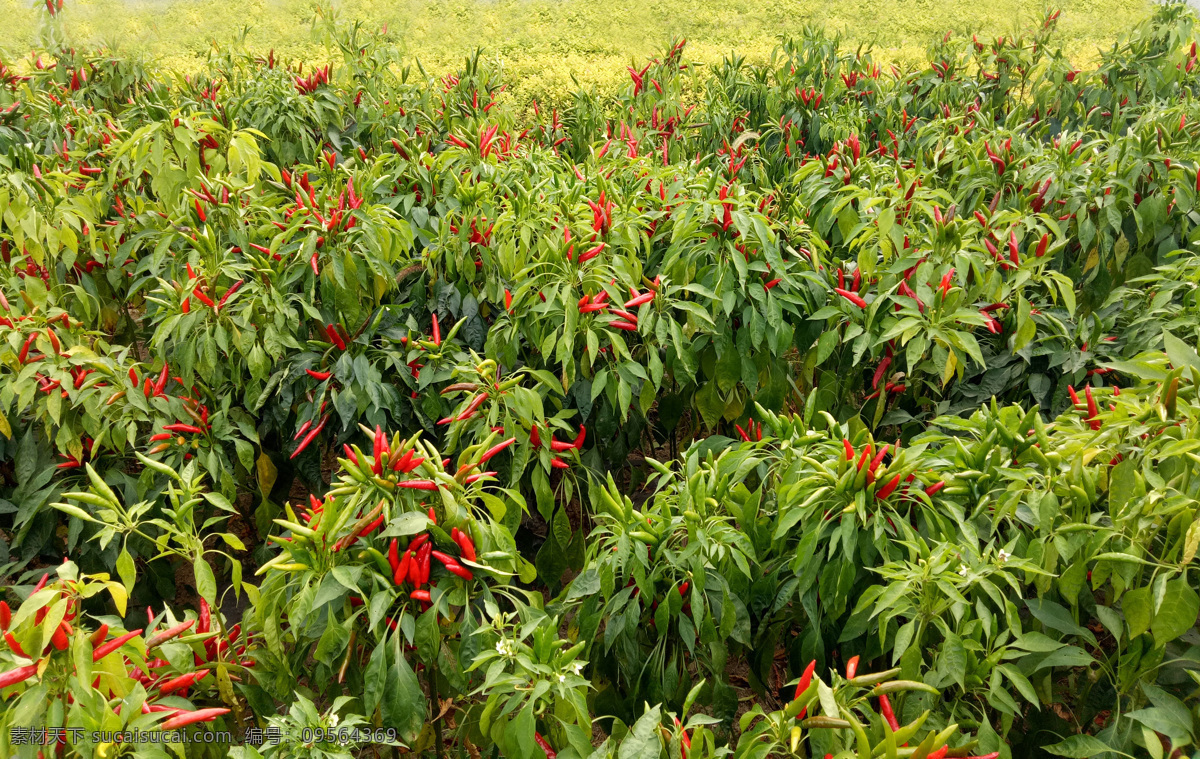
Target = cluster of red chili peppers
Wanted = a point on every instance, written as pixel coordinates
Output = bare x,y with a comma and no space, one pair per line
309,84
558,446
1093,409
414,565
160,685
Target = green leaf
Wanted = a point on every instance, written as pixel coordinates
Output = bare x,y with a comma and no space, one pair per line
206,583
1138,611
1056,617
403,704
1180,353
643,740
1177,614
953,659
1021,682
126,569
1079,747
710,403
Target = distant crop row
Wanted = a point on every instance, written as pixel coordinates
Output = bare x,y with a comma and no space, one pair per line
827,409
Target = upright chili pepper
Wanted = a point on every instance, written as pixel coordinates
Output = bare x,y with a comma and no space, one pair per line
205,624
852,664
805,681
309,437
437,332
885,708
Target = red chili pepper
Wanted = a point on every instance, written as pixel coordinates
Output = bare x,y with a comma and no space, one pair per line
183,681
558,463
805,681
319,376
205,624
1074,396
470,410
200,211
25,348
191,429
393,554
592,253
1041,246
14,645
455,568
334,337
309,437
465,544
880,371
97,637
424,560
935,487
373,526
541,742
437,331
875,462
848,449
203,299
183,719
377,450
229,293
887,489
113,645
852,664
20,674
639,300
885,708
159,638
853,298
508,300
420,595
626,326
945,284
414,569
403,567
490,452
5,616
429,485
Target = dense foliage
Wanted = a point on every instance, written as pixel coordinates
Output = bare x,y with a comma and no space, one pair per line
808,408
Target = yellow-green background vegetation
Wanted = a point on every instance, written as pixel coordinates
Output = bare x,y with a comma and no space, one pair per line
543,42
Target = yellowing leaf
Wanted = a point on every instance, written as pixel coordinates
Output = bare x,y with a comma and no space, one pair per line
119,596
266,474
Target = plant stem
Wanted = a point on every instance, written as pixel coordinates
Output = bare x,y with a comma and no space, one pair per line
431,676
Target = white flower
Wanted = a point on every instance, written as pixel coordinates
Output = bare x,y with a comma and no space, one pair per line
1003,555
333,720
963,570
562,678
576,667
506,647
